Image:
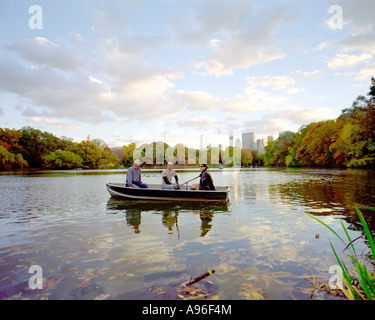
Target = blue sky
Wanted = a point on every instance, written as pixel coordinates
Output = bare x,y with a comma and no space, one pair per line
137,71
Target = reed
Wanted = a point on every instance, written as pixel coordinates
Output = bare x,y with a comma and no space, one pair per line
359,281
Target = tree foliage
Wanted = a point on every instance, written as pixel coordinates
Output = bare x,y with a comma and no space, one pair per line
34,148
60,159
348,141
9,160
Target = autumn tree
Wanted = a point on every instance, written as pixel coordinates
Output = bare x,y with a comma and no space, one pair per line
246,157
9,160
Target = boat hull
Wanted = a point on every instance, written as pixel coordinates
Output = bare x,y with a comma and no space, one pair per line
155,192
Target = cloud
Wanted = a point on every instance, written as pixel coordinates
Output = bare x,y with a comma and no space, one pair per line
359,24
306,75
57,124
251,100
1,111
347,61
367,72
43,52
295,90
291,118
276,82
237,36
282,82
196,122
122,87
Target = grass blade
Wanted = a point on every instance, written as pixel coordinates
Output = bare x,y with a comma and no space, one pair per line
362,274
347,234
367,232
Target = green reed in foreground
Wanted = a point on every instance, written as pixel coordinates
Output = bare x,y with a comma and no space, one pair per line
360,283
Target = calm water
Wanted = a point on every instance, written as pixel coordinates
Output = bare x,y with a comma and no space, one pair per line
261,245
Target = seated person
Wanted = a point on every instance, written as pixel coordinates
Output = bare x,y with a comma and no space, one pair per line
167,176
133,177
205,182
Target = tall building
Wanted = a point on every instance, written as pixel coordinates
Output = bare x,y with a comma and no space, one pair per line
261,145
269,138
249,140
89,137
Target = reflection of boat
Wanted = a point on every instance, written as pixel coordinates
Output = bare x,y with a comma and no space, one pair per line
162,206
155,192
169,212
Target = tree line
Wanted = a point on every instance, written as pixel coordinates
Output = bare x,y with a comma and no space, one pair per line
33,148
348,141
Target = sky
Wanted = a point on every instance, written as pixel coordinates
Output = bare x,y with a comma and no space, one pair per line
173,71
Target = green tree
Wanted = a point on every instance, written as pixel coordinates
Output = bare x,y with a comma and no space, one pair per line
36,144
9,160
109,161
127,159
90,152
258,159
60,159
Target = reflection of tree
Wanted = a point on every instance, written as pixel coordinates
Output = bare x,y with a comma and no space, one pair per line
338,191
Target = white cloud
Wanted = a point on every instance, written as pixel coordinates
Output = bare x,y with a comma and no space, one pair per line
196,122
347,61
306,75
276,82
57,124
43,52
367,72
239,36
252,100
295,90
128,87
290,118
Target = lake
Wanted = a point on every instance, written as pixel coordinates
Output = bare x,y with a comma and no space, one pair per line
262,245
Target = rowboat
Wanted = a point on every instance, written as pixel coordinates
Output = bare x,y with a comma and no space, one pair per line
155,192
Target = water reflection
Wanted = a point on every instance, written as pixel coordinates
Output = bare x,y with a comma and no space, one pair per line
333,193
169,212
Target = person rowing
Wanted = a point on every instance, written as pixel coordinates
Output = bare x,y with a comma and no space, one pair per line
167,176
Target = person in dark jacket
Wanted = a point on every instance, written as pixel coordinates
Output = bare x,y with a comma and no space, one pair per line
205,182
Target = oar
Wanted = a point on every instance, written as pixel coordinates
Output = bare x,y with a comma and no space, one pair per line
189,181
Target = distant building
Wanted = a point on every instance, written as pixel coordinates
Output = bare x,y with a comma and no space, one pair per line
261,145
89,138
269,138
249,140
